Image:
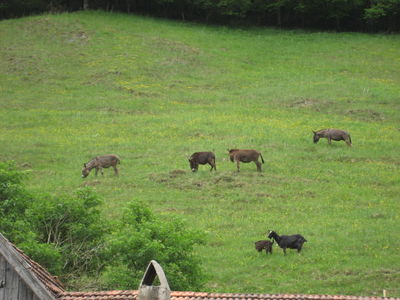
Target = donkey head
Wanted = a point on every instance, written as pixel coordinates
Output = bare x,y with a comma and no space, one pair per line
85,171
315,137
193,164
232,154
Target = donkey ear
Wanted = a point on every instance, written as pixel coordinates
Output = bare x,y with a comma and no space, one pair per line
84,165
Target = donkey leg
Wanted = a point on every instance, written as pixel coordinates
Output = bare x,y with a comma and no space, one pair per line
214,165
97,171
238,168
115,170
211,163
348,143
258,164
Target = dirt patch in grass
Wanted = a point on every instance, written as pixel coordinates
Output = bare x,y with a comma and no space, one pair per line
224,178
365,115
26,165
263,195
182,179
176,173
378,216
91,183
310,103
174,46
77,36
172,178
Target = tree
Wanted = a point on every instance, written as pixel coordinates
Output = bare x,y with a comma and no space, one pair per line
139,237
383,14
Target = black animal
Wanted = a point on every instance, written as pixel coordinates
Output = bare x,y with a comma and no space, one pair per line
202,158
264,244
332,134
295,241
246,156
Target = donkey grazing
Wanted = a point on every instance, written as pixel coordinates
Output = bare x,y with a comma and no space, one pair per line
264,244
245,156
332,134
202,158
100,162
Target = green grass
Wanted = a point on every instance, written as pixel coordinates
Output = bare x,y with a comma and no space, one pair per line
73,86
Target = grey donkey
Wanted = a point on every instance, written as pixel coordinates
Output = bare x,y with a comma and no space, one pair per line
100,162
332,134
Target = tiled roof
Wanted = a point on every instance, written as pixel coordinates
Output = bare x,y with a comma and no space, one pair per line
51,282
132,295
108,295
57,289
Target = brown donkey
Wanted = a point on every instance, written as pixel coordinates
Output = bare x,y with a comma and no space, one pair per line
245,156
202,158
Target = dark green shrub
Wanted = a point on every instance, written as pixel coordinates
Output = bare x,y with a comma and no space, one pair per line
14,200
64,234
139,237
69,236
73,225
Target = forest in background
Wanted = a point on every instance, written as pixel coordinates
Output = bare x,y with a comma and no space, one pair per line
339,15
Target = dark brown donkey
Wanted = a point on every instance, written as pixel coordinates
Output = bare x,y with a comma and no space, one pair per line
246,156
100,162
332,134
264,244
202,158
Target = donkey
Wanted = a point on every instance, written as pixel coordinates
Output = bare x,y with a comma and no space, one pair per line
332,134
246,156
264,244
202,158
100,162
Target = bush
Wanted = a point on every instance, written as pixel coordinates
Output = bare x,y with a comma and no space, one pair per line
73,225
14,200
69,236
63,234
139,237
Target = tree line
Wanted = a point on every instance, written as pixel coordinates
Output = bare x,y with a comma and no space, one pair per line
340,15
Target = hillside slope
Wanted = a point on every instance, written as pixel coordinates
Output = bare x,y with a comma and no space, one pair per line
153,91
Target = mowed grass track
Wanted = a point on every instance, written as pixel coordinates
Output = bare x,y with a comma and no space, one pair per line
153,91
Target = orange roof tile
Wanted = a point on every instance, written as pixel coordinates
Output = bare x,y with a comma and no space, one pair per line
132,295
57,289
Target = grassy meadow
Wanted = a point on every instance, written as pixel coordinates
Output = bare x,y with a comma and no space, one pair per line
73,86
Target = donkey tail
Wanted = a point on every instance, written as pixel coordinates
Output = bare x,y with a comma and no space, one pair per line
262,159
